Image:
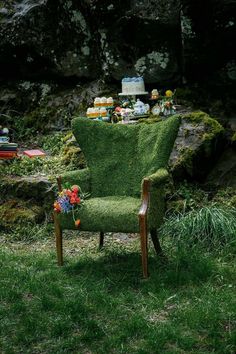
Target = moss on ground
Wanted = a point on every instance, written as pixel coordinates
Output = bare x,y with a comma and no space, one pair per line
15,212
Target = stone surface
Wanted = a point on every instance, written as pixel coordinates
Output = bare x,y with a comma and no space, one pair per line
138,37
46,106
35,188
88,39
46,38
165,41
197,146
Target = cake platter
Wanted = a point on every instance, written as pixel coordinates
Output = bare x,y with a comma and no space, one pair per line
133,93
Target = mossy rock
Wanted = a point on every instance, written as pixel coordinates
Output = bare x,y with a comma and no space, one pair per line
199,140
38,189
16,211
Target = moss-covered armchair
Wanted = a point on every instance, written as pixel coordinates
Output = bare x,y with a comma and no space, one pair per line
125,177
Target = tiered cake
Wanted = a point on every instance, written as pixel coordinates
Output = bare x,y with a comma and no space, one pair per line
132,86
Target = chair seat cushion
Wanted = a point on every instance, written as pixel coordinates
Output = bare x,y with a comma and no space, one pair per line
107,214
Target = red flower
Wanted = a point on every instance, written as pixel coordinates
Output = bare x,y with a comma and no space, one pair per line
75,189
72,200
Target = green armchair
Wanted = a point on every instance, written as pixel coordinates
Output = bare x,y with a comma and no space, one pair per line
125,177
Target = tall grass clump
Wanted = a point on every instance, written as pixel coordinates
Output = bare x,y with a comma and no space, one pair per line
209,228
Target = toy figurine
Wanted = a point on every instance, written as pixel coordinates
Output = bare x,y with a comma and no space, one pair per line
155,94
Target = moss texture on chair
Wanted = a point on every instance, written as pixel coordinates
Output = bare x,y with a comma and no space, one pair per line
125,176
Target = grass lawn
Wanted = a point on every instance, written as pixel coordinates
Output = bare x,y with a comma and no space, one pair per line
98,303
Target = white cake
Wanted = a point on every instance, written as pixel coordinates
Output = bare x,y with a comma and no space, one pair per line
133,86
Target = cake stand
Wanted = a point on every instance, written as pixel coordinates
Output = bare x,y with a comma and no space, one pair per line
133,94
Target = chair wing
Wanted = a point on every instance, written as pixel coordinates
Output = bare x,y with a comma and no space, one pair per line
155,145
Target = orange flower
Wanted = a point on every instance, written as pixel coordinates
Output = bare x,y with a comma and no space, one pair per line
57,207
77,223
68,193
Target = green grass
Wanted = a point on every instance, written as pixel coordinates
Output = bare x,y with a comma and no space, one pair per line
210,227
98,303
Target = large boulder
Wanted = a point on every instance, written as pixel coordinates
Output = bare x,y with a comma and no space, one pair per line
37,189
46,38
139,38
165,41
30,107
197,146
90,38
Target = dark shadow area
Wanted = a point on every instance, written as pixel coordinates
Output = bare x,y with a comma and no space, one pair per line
121,271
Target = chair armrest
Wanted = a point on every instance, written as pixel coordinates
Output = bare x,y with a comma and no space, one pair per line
154,180
145,199
157,178
80,177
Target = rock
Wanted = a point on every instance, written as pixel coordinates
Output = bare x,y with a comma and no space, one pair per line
71,152
165,41
196,147
90,38
29,107
46,38
139,38
36,189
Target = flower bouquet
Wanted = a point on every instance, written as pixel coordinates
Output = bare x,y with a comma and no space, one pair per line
69,199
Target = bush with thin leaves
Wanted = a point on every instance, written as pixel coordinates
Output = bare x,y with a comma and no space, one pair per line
212,227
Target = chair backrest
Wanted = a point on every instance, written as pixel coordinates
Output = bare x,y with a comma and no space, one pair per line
120,156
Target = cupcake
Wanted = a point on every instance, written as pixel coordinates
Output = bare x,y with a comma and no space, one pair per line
103,101
110,102
97,102
89,112
103,112
97,112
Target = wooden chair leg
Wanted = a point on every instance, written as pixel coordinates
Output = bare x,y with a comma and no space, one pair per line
156,242
144,246
101,240
157,246
58,233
